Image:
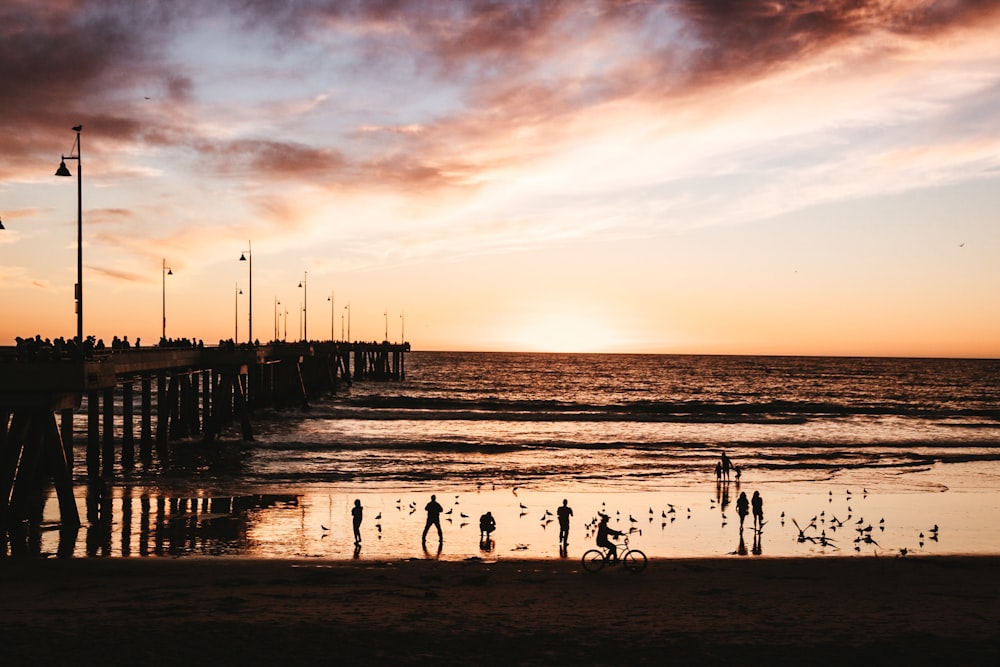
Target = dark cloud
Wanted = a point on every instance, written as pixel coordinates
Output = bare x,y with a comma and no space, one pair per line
96,62
733,37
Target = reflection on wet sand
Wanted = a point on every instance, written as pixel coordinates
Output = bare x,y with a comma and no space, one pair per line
167,526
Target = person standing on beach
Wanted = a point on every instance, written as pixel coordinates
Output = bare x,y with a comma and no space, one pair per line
356,515
757,503
742,507
434,510
563,514
726,465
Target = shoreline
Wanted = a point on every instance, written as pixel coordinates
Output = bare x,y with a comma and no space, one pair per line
234,610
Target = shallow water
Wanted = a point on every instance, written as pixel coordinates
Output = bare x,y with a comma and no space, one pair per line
624,434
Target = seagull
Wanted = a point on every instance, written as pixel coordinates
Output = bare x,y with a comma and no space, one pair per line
378,516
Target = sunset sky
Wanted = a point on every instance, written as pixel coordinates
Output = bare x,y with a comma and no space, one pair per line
704,176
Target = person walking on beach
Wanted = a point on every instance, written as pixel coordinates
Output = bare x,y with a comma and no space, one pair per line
563,514
356,514
726,465
757,503
603,532
742,507
434,510
487,524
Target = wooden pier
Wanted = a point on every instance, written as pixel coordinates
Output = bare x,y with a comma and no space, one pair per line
183,393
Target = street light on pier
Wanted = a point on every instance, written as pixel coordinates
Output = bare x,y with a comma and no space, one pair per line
236,314
167,271
304,284
276,317
248,258
385,314
63,171
402,328
333,336
348,309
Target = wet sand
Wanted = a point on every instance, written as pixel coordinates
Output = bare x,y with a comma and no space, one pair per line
239,611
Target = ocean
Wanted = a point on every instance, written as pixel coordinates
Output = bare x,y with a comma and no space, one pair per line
834,445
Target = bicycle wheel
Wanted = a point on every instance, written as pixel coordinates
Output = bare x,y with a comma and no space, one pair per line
593,561
634,561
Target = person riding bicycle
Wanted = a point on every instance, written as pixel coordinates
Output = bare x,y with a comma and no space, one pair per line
603,531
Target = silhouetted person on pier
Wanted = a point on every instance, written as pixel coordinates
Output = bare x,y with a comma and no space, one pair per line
604,531
434,510
563,514
742,507
487,524
357,513
757,504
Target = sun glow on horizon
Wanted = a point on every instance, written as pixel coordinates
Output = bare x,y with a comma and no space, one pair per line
566,332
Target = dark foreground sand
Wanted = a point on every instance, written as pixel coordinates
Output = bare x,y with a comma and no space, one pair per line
217,611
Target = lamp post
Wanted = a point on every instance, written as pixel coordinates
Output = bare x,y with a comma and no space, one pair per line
236,314
63,171
167,271
402,328
348,309
276,304
304,284
333,337
385,314
248,258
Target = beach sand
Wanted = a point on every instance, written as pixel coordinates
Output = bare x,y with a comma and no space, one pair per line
239,611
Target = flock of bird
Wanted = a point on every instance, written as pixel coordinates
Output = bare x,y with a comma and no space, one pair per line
820,530
865,531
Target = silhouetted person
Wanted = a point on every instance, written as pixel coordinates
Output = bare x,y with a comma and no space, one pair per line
434,510
718,472
757,504
356,515
563,514
487,524
742,507
726,465
603,532
738,473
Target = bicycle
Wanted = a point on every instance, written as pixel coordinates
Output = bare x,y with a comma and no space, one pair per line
632,560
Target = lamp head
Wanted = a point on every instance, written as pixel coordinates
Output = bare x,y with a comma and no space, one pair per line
170,272
243,257
63,170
